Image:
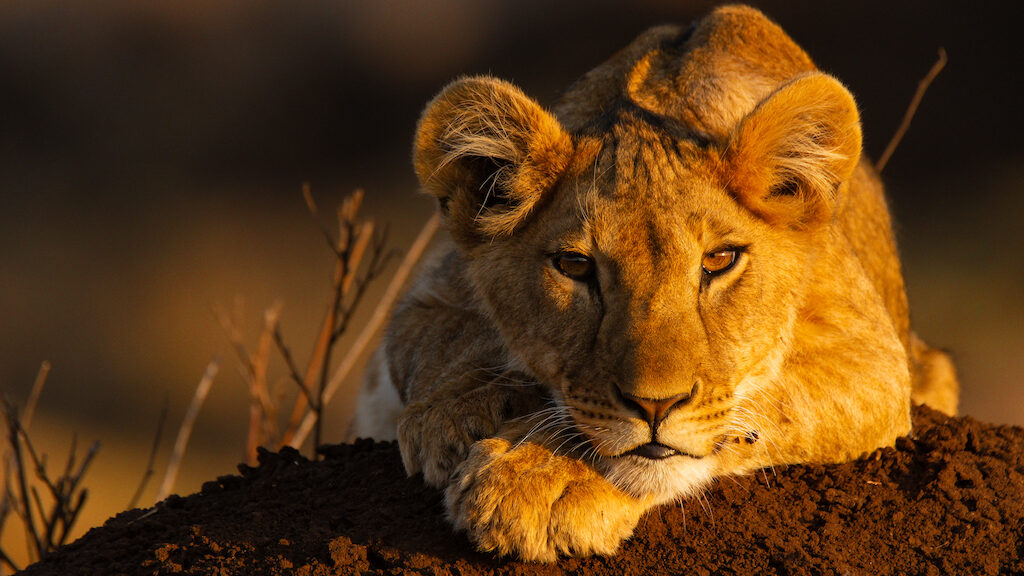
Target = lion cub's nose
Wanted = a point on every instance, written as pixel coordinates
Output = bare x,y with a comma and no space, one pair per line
654,410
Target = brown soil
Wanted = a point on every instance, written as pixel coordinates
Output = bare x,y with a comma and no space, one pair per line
948,501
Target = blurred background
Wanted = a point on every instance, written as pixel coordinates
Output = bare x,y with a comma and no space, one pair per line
152,156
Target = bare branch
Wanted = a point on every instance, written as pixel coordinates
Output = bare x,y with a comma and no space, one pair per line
69,466
307,194
33,397
261,406
313,368
10,563
55,522
253,365
293,371
73,516
36,548
380,314
234,334
379,258
152,457
319,360
49,520
171,475
261,359
922,87
93,450
363,236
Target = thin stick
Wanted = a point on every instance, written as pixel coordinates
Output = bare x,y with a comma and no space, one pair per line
922,87
26,422
93,449
293,371
10,563
363,237
69,467
321,350
353,258
13,436
171,476
313,369
64,512
307,194
378,260
380,314
33,397
50,520
66,527
152,456
253,367
261,406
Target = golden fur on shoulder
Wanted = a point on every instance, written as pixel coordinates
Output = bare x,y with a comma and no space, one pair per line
685,270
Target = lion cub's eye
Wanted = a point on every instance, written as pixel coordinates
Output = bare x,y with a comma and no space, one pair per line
574,265
720,261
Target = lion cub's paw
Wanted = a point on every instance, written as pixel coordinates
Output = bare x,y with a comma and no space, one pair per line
528,502
434,435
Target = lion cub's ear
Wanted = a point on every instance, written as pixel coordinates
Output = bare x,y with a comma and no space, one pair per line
488,153
788,159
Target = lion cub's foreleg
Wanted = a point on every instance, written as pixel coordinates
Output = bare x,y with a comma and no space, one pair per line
449,365
467,412
435,433
511,495
520,497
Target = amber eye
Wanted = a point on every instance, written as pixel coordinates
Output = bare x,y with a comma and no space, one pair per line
574,265
718,262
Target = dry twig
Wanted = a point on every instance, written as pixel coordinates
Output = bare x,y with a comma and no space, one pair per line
374,324
185,431
922,87
262,405
152,457
360,257
26,423
33,397
7,466
66,491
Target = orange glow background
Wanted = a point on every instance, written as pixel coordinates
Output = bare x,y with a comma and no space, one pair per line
152,155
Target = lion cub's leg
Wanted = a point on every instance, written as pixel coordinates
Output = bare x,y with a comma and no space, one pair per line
522,498
934,377
435,433
378,405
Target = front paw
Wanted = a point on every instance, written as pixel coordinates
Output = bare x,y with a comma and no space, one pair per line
434,435
526,501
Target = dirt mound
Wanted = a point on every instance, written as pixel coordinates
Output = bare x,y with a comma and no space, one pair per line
949,500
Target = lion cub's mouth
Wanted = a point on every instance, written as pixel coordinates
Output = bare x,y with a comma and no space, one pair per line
657,451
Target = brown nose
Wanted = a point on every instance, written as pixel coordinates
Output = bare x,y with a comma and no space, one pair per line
654,410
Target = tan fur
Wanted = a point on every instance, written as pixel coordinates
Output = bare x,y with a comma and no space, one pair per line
524,388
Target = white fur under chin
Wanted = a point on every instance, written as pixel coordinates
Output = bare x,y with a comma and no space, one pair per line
667,480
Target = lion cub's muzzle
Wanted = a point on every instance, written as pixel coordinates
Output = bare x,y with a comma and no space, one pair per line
654,411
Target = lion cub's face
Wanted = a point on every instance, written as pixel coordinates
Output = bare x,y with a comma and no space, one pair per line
647,298
646,275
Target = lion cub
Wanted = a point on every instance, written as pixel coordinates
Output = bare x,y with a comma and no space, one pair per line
684,270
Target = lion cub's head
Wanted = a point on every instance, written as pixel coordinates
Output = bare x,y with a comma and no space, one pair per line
642,250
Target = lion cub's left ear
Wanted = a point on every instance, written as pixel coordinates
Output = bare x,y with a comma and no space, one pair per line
787,160
488,153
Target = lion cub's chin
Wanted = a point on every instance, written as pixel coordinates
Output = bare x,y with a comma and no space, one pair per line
665,480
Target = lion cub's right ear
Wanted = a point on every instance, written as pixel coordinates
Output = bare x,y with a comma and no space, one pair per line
488,153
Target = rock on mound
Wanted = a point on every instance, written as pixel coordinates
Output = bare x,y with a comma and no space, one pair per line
948,501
